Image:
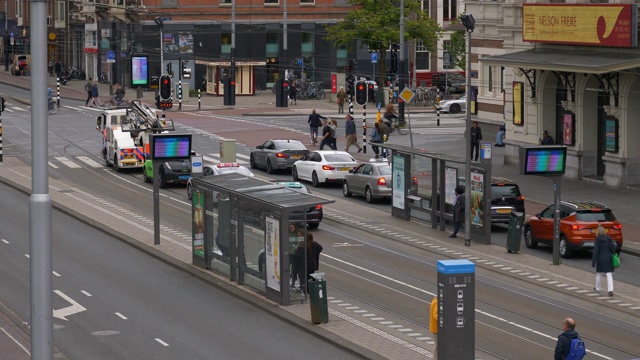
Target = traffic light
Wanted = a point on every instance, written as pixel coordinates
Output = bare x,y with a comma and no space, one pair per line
184,70
169,69
350,82
361,93
349,68
394,62
372,93
2,108
165,87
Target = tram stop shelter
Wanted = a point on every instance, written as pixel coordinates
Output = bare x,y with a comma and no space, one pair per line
420,175
241,228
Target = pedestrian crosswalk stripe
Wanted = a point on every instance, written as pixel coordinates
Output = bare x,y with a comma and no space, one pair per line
67,162
90,162
53,165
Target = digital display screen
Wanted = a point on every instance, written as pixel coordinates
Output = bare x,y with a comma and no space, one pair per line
170,146
139,71
547,160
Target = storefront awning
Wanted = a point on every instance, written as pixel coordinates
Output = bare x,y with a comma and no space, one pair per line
589,62
228,63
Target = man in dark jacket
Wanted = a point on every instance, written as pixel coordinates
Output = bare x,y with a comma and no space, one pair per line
327,139
476,137
458,211
314,124
351,135
546,138
563,346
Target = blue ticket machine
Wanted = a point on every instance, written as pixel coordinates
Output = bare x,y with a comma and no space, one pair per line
456,309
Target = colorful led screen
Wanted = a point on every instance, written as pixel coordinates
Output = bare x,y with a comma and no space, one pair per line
547,160
139,71
170,146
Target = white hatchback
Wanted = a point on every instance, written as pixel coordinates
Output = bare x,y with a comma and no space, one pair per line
323,166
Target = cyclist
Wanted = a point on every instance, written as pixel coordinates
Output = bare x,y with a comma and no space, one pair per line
119,94
314,124
390,115
49,95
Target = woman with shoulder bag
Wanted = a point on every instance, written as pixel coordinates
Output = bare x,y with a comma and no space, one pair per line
601,259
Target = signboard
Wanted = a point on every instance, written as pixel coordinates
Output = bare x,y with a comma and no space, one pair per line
450,181
518,103
611,134
374,57
568,129
612,25
398,181
477,206
197,215
139,71
544,160
170,146
272,252
407,95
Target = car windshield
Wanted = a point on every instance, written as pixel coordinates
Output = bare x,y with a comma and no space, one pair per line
384,169
595,216
338,158
504,191
292,145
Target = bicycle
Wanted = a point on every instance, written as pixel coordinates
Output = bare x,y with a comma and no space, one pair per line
53,106
395,125
314,136
110,104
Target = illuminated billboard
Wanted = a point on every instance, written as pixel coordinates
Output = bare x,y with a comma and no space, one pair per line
613,25
170,146
139,71
544,160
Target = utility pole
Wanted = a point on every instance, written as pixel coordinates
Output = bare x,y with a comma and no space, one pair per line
402,68
469,22
232,85
160,23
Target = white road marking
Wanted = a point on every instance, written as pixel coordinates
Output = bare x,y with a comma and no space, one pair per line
19,108
161,342
67,162
85,292
69,310
5,241
56,274
87,160
27,255
16,341
52,165
121,316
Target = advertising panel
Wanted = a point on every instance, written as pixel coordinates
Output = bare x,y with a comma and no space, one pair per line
398,181
544,160
518,103
198,223
170,147
139,71
568,129
611,134
477,202
272,252
613,25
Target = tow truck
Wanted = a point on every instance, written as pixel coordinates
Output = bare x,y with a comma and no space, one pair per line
125,134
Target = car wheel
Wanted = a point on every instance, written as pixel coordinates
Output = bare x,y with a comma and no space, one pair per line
528,238
146,178
345,189
252,162
368,195
115,163
565,252
189,194
313,225
163,179
269,167
294,174
314,180
454,108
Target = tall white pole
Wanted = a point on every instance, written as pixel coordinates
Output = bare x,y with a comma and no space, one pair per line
467,183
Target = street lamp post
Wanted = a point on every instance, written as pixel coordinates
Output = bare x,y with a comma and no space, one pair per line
469,23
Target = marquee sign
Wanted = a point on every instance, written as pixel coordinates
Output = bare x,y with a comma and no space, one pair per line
613,25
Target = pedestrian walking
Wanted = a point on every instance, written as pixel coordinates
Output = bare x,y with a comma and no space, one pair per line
350,133
303,264
376,138
458,211
95,96
341,96
326,135
500,135
385,132
333,124
476,137
433,325
59,68
317,249
88,88
292,94
546,138
563,346
603,250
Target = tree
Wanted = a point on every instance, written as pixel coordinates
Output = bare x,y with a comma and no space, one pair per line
458,49
376,24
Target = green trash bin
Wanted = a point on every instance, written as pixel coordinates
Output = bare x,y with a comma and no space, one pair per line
318,299
516,220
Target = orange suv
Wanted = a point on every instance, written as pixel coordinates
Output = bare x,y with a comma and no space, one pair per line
578,223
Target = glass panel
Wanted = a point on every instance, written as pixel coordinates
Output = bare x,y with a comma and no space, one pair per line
225,42
253,237
221,233
307,43
273,44
297,259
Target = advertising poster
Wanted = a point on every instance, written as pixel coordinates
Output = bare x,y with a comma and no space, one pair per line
611,134
567,129
198,223
518,103
139,71
398,181
272,251
450,177
477,205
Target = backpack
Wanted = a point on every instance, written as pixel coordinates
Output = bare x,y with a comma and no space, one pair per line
577,350
333,131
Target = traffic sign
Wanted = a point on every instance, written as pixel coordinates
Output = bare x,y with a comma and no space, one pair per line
300,62
111,55
11,36
407,95
374,57
166,18
11,39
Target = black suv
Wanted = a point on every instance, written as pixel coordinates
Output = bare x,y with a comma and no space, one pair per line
505,197
455,81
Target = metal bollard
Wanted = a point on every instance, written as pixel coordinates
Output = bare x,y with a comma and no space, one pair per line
58,88
199,91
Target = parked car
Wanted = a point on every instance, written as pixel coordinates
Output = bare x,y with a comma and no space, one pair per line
452,106
314,214
219,169
323,166
171,172
455,82
277,155
372,180
505,198
578,223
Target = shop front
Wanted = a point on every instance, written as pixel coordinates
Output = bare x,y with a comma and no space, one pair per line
217,71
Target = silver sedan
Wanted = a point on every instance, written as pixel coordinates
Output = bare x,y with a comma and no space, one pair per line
373,180
277,155
453,106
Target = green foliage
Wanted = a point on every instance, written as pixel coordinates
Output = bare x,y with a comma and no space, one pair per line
458,49
376,24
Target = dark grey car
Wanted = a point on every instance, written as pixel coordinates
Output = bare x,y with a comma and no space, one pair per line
277,155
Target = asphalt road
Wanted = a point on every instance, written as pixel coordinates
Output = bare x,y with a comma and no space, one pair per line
391,279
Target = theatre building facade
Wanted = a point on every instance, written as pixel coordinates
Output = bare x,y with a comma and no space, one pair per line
571,69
